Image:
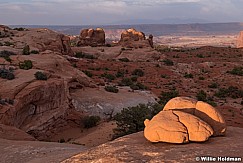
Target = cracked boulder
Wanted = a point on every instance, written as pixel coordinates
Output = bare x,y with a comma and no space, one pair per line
200,109
176,127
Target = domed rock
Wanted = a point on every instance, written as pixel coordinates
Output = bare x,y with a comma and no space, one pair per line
200,109
176,127
240,40
92,37
135,39
212,116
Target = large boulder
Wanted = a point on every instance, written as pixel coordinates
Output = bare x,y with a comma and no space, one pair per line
200,109
132,38
240,40
92,37
176,127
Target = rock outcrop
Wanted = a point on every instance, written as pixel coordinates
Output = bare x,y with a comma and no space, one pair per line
240,40
135,39
204,111
184,119
135,148
92,37
176,127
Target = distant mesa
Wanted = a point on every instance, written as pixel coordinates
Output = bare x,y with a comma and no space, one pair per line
92,37
135,39
240,40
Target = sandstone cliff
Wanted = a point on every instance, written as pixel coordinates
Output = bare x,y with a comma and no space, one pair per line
92,37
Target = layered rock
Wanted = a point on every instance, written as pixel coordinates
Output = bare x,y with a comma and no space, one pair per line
92,37
200,109
240,40
135,39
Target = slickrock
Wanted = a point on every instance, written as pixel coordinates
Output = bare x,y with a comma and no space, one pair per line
135,148
92,37
176,127
200,109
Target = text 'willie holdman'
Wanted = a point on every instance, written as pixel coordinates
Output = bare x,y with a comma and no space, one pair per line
218,159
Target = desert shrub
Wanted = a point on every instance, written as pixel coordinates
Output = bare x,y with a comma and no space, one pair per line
237,71
138,72
7,43
200,56
6,55
188,75
91,121
88,73
120,74
19,29
26,65
26,50
6,74
126,82
34,52
108,45
213,85
134,78
124,60
131,119
168,62
231,91
202,96
166,96
84,55
138,86
201,78
112,89
40,75
110,77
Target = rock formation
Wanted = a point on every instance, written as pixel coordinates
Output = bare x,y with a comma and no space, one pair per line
135,148
200,109
240,40
184,119
135,39
92,37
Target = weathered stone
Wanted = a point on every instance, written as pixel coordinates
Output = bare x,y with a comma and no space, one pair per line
240,40
92,37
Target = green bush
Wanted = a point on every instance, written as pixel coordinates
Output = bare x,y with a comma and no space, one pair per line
110,77
34,52
138,86
88,73
138,72
84,55
6,74
40,76
188,75
26,50
120,74
7,43
112,89
91,121
166,96
201,78
213,85
26,65
126,82
124,60
168,62
237,71
131,119
201,96
231,91
200,56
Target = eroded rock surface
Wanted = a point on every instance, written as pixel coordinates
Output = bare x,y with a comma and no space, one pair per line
92,37
176,127
135,148
200,109
135,39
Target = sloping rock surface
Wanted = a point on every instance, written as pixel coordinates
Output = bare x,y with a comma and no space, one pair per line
135,148
240,40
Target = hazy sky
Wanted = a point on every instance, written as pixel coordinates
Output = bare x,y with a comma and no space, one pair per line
84,12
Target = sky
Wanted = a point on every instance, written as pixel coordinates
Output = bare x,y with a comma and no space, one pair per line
104,12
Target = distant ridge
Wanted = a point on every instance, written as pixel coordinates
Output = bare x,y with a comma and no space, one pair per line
155,29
